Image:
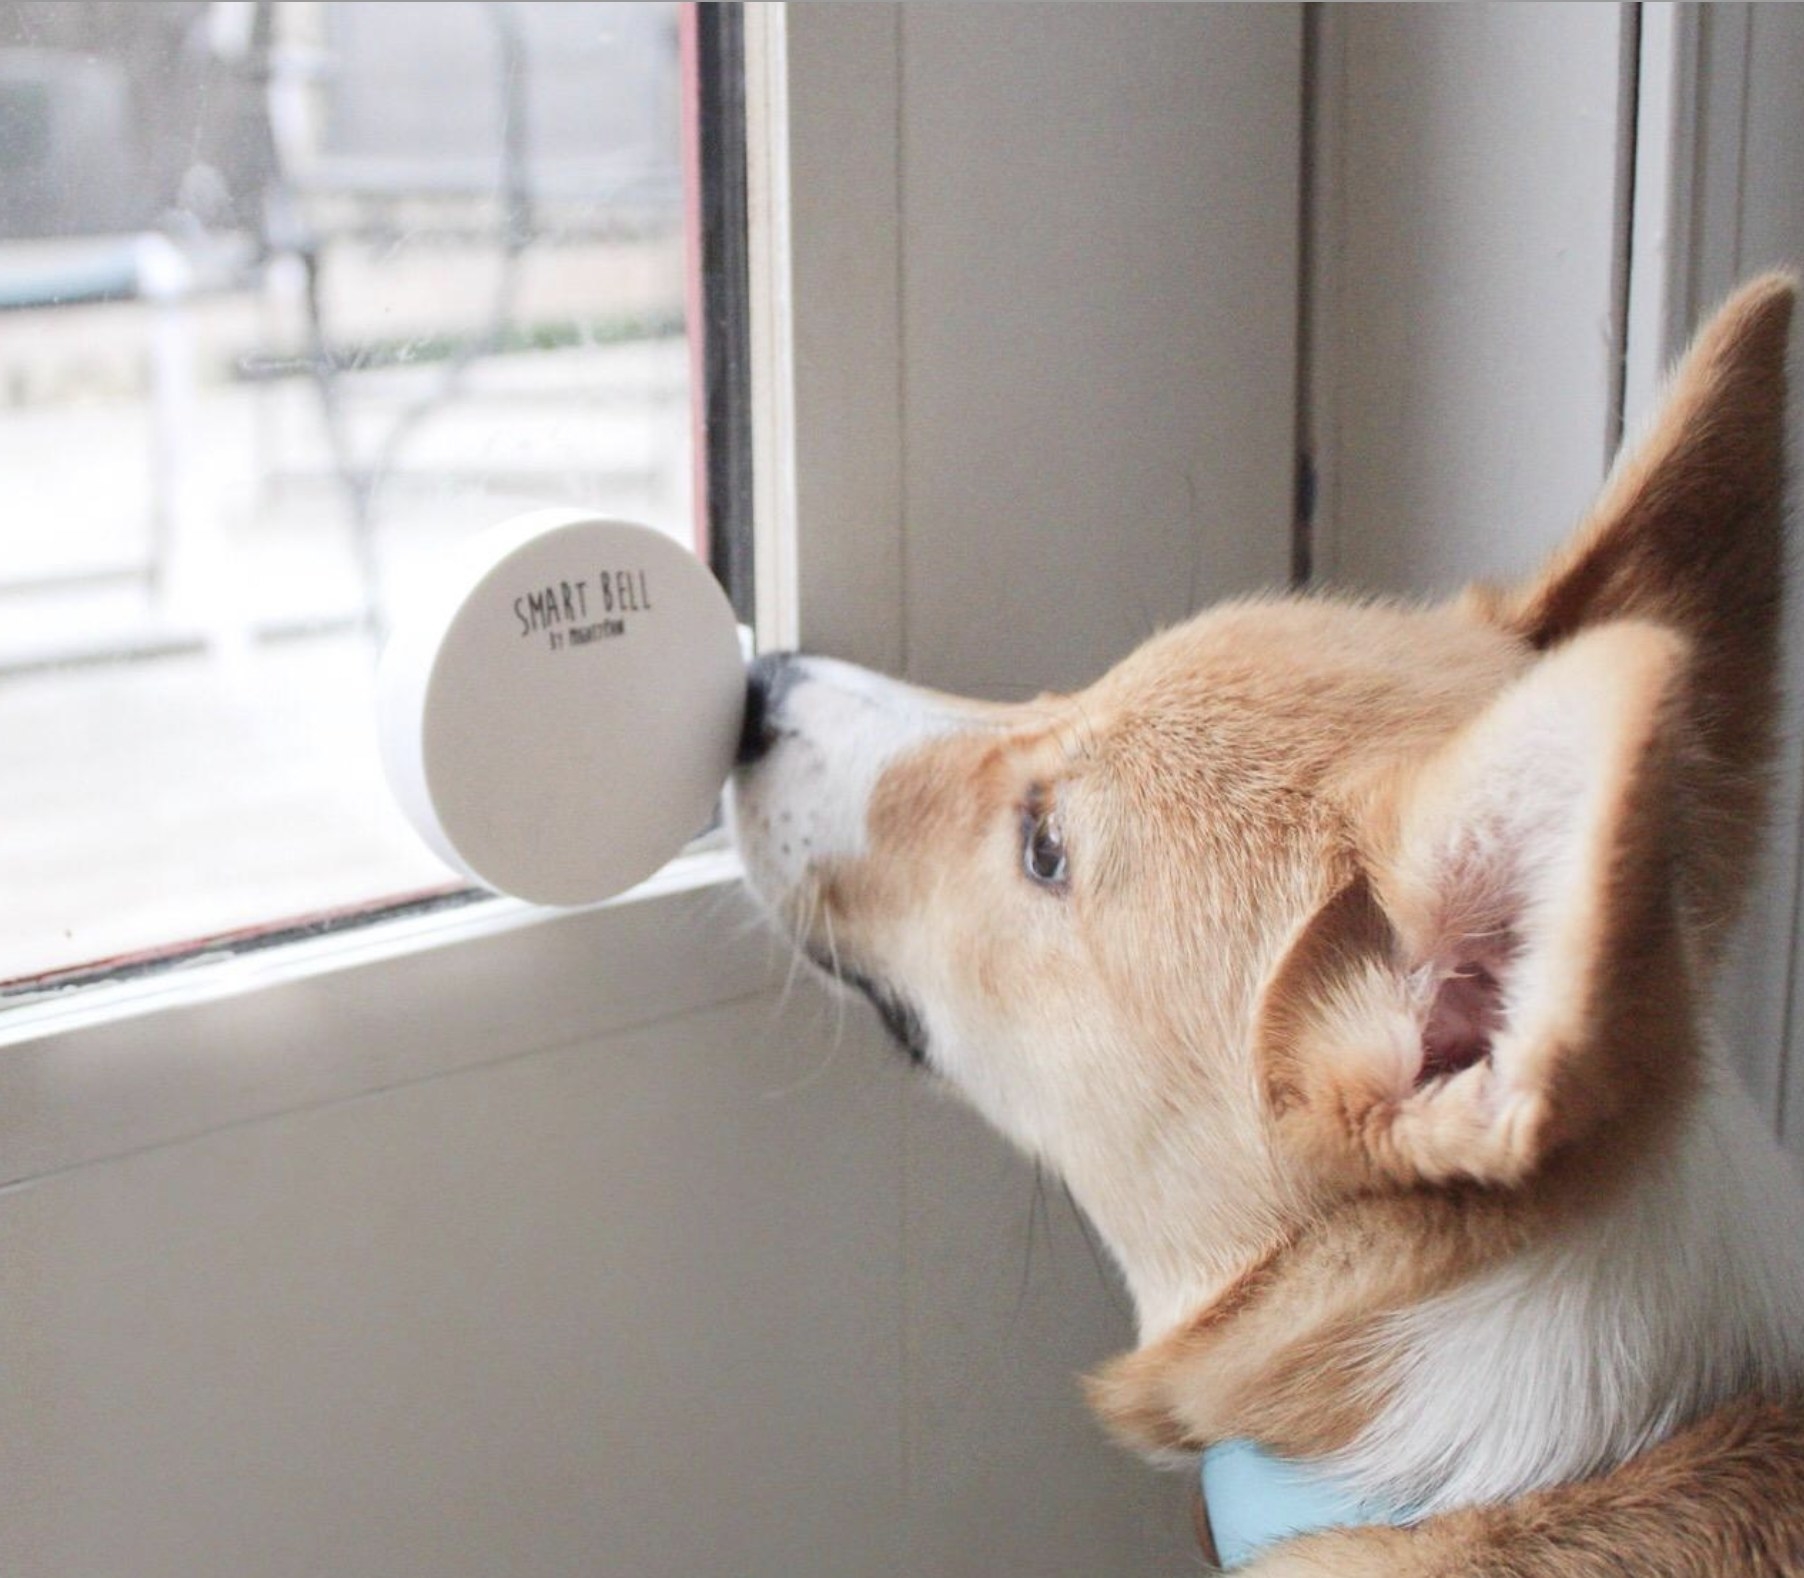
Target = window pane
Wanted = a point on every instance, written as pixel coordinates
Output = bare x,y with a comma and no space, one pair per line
295,295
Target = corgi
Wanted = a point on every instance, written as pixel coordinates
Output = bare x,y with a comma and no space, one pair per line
1351,963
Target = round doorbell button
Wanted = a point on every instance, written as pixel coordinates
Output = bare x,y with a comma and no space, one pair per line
559,713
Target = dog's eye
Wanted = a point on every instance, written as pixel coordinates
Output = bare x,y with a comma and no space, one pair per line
1043,854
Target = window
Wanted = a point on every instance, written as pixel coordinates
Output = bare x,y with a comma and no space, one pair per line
296,294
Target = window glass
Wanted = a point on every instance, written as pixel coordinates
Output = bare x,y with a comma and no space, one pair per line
293,296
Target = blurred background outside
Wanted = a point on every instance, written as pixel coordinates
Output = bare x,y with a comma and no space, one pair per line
292,296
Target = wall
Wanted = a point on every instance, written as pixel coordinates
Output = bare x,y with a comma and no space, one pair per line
1068,414
1100,361
434,1263
1467,231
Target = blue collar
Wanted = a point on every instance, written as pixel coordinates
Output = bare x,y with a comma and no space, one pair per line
1255,1500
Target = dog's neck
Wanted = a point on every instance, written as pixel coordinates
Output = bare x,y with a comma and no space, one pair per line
1177,1244
1576,1353
1683,1293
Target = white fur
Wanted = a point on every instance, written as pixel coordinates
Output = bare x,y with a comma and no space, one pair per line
1682,1295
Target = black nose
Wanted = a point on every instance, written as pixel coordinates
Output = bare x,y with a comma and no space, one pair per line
768,680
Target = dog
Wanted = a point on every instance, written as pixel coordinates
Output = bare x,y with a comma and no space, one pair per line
1350,962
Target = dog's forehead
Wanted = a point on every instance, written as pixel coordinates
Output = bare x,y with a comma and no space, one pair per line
1300,685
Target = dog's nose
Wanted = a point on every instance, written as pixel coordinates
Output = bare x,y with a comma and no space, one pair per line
768,680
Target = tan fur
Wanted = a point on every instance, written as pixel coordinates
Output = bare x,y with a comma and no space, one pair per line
1271,811
1617,962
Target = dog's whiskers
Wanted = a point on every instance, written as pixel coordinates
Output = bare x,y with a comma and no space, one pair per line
815,1075
1036,1211
811,896
1105,1268
814,911
839,997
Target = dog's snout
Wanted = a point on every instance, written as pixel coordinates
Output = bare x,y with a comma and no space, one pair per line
817,737
768,680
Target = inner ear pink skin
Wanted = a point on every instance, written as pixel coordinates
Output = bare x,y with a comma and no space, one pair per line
1465,1016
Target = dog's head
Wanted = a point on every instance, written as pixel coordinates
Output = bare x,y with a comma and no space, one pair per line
1310,899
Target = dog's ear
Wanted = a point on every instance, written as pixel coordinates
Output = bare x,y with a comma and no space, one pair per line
1689,532
1496,978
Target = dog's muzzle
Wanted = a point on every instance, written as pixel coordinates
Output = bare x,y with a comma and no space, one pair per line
815,741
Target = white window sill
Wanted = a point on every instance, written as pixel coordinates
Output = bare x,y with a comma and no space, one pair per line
115,1069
